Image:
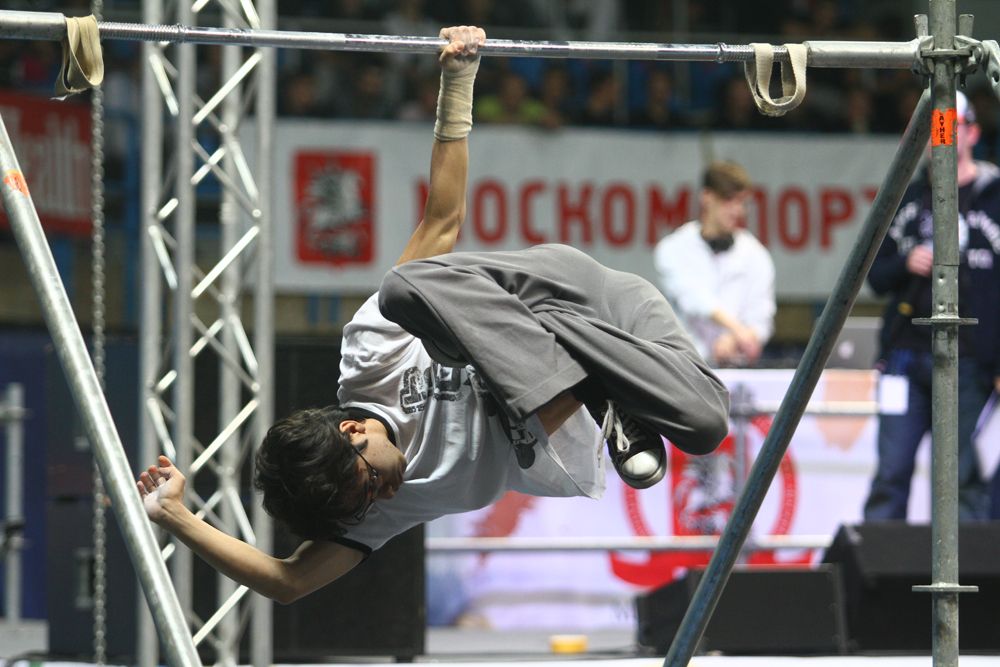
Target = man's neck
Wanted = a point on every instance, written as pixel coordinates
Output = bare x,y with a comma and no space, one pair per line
709,230
717,239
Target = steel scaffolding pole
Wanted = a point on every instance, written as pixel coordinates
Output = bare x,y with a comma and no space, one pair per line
182,306
12,411
93,409
262,639
944,322
229,381
151,309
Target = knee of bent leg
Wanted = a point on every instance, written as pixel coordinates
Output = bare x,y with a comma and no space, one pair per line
709,426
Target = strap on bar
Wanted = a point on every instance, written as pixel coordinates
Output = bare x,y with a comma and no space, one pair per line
82,62
793,83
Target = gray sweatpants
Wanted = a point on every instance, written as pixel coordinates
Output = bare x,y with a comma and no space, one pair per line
536,322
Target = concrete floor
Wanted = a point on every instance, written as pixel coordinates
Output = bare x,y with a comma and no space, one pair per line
23,637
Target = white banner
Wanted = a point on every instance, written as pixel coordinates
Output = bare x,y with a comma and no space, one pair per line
354,192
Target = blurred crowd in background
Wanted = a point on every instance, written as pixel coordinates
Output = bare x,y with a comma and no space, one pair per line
551,93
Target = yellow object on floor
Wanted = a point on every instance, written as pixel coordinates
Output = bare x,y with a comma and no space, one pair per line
568,643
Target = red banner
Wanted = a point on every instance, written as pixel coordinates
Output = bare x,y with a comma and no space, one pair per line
52,142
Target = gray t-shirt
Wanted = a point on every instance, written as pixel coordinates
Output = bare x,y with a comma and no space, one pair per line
459,456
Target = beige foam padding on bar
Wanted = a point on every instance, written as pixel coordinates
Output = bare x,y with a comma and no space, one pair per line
83,61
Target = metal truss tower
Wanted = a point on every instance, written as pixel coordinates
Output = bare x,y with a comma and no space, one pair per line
195,296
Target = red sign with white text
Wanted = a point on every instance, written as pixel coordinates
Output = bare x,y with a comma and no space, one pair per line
52,143
334,202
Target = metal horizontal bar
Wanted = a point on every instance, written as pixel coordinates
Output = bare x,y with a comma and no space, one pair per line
666,543
51,26
888,55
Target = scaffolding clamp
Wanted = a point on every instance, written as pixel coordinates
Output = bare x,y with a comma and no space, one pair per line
992,58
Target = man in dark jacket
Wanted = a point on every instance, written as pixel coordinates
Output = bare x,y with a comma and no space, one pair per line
902,269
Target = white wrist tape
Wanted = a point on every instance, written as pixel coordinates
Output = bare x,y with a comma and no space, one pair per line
454,110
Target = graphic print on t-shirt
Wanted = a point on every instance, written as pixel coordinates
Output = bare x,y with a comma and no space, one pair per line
441,382
446,384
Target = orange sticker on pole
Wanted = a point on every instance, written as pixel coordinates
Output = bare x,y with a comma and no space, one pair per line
15,179
943,127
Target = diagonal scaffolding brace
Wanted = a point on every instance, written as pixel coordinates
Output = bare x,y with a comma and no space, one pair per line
93,408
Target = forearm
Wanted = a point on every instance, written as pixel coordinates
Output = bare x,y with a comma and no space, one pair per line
234,558
445,208
314,564
727,321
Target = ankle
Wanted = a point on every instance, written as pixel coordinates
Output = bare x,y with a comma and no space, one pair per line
555,413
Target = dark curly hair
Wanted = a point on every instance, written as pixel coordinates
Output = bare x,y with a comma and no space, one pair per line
303,467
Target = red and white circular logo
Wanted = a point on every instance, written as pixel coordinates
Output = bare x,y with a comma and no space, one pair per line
700,496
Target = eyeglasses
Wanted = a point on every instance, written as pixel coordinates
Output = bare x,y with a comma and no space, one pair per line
371,483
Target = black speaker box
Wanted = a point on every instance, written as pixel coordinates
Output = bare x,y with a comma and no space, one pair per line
772,610
881,562
377,609
380,607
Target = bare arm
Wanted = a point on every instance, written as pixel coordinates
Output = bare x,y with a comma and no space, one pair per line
312,566
445,208
743,338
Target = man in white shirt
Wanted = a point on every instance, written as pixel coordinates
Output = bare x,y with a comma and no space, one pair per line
464,377
717,276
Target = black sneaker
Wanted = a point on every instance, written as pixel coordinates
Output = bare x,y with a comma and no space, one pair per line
637,452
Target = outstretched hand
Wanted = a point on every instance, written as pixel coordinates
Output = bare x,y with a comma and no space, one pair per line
748,343
161,488
462,48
